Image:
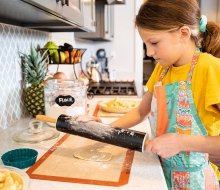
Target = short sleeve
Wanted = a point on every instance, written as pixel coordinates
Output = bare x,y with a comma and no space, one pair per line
212,94
154,77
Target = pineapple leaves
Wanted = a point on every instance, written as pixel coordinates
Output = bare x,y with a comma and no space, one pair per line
34,66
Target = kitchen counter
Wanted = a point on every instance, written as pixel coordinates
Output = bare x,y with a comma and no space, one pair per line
146,171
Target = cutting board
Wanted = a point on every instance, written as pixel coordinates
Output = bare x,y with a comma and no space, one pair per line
59,164
98,112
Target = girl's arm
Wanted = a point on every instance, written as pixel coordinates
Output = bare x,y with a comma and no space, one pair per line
209,144
136,115
170,144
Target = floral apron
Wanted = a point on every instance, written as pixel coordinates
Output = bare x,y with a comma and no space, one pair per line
173,111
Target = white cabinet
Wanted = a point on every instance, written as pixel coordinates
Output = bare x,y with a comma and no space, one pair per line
79,12
50,15
89,15
109,22
104,24
71,11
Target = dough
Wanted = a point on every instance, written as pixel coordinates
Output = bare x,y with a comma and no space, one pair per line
92,154
119,105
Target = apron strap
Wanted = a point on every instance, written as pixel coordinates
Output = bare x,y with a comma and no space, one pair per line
192,67
194,61
163,74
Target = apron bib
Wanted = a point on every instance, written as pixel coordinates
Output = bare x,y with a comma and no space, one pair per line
173,111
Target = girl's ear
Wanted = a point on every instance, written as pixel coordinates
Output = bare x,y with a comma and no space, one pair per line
185,32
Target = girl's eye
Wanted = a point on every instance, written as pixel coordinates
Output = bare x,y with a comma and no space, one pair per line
154,43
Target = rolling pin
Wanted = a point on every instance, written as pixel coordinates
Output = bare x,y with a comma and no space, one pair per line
126,138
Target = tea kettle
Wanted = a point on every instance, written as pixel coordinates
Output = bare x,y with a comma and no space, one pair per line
92,70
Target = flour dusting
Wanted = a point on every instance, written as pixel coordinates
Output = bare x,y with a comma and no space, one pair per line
90,127
126,138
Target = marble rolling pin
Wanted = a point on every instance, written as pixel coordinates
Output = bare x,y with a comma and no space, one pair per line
127,138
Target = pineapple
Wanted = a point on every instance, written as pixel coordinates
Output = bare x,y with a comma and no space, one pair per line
35,69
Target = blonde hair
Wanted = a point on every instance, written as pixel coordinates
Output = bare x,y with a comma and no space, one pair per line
171,14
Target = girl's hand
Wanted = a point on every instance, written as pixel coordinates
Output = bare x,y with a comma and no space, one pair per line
166,145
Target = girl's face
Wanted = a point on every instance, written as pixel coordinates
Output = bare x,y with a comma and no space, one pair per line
165,47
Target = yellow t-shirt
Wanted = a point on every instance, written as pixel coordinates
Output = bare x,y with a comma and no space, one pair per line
205,88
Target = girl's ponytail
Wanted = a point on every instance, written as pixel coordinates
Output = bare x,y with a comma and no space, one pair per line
211,39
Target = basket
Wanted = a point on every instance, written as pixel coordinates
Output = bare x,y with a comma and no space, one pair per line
64,55
20,158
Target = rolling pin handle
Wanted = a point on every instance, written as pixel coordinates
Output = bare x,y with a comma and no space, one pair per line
45,118
146,140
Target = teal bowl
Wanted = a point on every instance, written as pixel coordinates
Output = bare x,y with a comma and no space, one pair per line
20,158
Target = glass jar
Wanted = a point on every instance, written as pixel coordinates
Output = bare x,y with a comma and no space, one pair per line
65,97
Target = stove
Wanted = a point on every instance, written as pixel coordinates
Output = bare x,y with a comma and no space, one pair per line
123,88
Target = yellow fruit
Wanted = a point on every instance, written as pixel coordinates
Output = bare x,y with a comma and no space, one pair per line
56,58
68,57
51,46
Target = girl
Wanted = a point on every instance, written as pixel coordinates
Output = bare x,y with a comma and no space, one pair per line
183,98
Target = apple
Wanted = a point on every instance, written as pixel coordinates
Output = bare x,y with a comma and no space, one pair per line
56,58
52,47
59,75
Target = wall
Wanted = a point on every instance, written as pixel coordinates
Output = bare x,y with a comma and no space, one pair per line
13,40
126,46
123,45
210,9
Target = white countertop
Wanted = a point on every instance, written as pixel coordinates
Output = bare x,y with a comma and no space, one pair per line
146,171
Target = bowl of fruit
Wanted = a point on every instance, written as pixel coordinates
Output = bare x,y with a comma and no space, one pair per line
12,178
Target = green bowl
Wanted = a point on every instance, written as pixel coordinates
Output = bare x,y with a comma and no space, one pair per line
20,158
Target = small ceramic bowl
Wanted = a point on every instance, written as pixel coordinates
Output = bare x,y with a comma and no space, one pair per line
20,158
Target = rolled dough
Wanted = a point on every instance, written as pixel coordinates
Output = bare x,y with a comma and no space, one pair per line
92,154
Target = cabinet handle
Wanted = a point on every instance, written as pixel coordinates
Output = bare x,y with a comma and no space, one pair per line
67,2
63,2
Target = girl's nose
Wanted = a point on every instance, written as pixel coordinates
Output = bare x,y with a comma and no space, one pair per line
149,52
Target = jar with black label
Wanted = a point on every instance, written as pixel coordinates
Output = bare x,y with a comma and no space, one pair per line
65,97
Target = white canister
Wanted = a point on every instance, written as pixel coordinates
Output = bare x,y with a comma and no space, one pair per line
65,97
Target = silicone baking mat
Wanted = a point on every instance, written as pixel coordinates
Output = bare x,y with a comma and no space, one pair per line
59,164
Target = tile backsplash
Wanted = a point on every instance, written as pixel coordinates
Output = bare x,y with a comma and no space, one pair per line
14,39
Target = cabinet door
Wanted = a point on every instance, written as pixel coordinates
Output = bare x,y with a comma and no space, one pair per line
89,15
104,23
70,11
73,11
48,5
109,22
